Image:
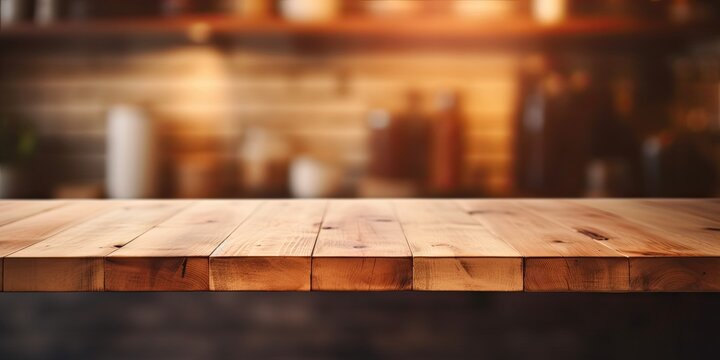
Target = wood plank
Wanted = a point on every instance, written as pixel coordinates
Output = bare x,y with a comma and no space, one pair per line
25,225
11,211
707,209
675,274
28,231
361,246
173,256
556,258
271,251
452,251
655,259
666,271
620,233
72,260
677,225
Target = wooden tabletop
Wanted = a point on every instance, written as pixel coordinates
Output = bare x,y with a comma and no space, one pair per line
357,245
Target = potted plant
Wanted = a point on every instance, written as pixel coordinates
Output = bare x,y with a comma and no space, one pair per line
17,144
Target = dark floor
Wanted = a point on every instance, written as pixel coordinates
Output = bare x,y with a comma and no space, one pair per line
359,325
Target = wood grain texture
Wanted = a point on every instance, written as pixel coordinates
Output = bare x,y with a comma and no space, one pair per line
362,273
361,246
452,251
675,274
658,260
681,226
11,211
680,222
27,222
28,231
156,273
705,209
468,274
263,273
173,256
271,250
581,274
644,245
618,232
54,274
556,258
72,260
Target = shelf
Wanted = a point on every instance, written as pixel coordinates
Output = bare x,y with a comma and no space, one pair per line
361,28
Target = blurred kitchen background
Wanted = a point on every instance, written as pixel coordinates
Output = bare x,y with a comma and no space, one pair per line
359,98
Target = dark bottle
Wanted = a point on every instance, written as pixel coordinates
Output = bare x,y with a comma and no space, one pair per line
615,147
570,113
529,128
559,105
446,146
687,153
398,142
680,164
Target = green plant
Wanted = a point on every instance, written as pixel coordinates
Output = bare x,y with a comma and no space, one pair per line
17,141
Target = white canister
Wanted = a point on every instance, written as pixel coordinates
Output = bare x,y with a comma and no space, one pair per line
8,181
309,10
264,158
312,178
131,166
11,11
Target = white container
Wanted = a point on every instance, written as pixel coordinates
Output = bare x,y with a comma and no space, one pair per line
312,178
309,10
11,11
8,181
131,165
263,163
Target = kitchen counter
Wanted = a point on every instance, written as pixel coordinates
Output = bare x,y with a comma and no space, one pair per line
599,245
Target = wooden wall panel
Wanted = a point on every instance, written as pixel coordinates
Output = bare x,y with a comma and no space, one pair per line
203,92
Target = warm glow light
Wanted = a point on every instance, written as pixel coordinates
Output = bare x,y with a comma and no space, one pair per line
549,11
484,9
199,32
309,10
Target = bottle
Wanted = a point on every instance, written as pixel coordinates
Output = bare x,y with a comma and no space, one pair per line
398,141
46,11
446,145
529,128
79,10
176,7
398,147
